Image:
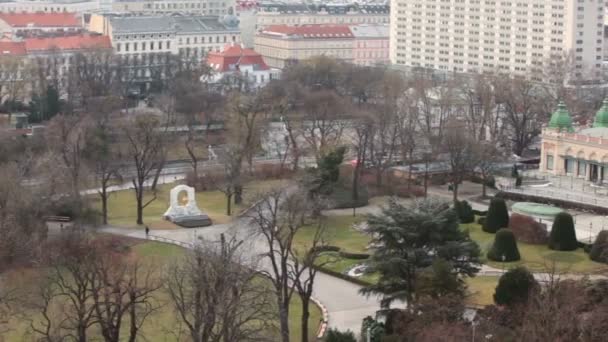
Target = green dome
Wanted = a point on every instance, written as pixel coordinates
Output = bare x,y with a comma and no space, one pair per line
561,119
601,118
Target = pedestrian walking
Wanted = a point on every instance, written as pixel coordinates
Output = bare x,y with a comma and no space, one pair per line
147,231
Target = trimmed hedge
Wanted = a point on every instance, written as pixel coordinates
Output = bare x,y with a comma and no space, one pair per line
481,220
563,235
464,211
504,245
599,249
355,256
498,216
327,248
346,277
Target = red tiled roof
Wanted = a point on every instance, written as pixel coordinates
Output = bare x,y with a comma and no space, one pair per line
311,31
77,42
235,54
41,19
12,48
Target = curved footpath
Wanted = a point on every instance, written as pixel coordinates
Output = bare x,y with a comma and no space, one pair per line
345,306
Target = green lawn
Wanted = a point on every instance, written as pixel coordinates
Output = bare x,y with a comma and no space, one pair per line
481,290
338,232
122,207
160,325
536,257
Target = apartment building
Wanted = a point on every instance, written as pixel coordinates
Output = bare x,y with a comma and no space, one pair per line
281,45
34,24
199,7
505,36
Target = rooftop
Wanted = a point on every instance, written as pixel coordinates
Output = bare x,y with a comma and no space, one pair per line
370,31
41,19
309,31
168,24
64,43
233,56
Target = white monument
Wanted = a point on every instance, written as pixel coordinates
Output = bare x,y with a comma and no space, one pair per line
185,214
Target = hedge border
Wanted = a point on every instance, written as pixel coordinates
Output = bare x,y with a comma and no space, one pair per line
564,204
353,280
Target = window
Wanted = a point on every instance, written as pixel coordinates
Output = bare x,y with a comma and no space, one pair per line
569,165
582,169
549,162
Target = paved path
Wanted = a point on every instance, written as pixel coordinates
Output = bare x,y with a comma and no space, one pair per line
346,307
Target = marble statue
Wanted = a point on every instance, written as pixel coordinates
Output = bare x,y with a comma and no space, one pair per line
185,214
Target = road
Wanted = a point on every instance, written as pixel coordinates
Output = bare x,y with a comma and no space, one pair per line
345,306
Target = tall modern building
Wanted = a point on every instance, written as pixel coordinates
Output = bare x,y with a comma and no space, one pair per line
506,36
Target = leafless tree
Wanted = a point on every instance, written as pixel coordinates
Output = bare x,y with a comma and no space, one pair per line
142,136
277,218
216,296
487,157
460,151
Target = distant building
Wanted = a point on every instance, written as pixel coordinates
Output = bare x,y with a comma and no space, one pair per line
371,45
283,44
366,44
236,60
281,13
198,7
577,153
51,6
188,36
33,24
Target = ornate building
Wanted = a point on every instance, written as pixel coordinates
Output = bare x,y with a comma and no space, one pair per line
582,154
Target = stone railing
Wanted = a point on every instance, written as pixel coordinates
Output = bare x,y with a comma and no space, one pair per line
574,137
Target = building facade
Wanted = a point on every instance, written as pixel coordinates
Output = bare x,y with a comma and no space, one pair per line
36,24
582,153
199,7
51,6
371,44
514,37
304,14
281,45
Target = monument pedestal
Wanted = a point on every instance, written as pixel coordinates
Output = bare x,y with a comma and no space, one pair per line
188,215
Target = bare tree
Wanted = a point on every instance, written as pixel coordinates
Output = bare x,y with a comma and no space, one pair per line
143,141
277,218
488,157
216,297
461,157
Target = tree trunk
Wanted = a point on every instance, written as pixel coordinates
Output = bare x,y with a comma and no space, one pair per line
104,204
284,323
157,175
305,317
379,177
455,191
238,194
483,187
228,204
139,196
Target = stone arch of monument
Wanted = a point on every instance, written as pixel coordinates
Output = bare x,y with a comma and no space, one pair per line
187,214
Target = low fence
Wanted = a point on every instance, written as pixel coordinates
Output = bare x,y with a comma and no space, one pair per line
594,203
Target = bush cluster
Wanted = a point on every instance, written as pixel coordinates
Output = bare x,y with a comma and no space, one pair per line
599,249
514,287
464,211
527,229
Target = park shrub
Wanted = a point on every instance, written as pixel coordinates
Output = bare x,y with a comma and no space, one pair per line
327,248
599,249
464,211
355,256
490,180
335,335
271,171
341,196
505,246
498,216
481,220
527,229
563,235
515,286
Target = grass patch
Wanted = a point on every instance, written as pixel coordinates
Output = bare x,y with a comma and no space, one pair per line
481,290
535,257
122,209
339,232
